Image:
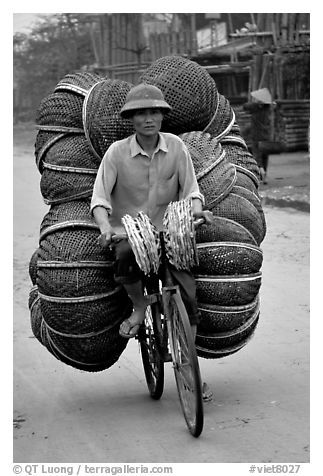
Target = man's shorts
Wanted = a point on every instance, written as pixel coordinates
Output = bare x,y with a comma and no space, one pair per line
127,271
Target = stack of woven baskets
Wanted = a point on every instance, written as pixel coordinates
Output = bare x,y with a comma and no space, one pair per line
75,304
228,276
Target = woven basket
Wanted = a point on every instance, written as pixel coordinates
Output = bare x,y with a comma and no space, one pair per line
188,88
90,354
241,210
234,137
215,175
60,184
224,229
221,345
79,82
227,258
102,122
33,267
60,109
225,318
35,313
235,290
255,200
69,211
222,120
70,150
238,155
44,140
69,279
84,314
245,180
72,241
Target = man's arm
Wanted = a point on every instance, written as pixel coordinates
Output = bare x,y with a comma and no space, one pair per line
101,217
198,211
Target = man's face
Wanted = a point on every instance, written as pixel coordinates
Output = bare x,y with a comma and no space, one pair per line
147,122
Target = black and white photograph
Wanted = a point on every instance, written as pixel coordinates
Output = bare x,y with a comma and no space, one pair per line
161,242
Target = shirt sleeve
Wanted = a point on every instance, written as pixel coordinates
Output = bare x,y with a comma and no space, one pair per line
104,182
187,179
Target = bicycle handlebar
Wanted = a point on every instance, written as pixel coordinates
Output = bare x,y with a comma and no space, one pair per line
122,236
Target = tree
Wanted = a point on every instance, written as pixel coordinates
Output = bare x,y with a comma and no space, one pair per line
57,45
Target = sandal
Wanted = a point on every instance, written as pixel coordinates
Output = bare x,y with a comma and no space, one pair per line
207,394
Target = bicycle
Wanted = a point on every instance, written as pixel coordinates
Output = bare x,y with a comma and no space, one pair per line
166,336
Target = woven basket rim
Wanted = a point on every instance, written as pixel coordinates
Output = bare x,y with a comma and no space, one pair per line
228,244
70,87
66,168
232,309
65,129
68,224
70,198
80,299
228,278
46,147
212,165
74,264
86,335
227,334
57,352
248,172
226,350
234,139
84,118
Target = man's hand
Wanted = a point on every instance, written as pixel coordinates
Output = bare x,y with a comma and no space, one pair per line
207,216
106,237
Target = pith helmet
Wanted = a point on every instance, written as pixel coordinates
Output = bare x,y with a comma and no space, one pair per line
144,96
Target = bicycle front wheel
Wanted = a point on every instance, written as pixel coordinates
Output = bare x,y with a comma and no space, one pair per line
185,363
149,337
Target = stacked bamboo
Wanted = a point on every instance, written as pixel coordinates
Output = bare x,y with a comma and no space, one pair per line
292,124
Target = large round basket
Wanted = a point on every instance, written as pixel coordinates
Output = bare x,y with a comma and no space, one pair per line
102,122
60,109
215,346
224,229
89,351
35,313
241,210
225,318
235,290
33,267
215,174
188,88
222,120
238,155
74,211
226,258
79,82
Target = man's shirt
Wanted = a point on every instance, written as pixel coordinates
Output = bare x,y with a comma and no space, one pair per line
129,181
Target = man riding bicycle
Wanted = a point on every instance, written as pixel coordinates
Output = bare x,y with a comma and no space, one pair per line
145,172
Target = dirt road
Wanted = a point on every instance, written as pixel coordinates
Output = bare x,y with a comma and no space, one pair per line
260,412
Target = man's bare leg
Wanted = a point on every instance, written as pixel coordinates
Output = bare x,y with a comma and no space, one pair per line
129,328
207,393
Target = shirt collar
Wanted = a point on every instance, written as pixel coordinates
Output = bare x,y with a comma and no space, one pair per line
135,148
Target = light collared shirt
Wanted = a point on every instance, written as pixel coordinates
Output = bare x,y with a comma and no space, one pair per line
129,181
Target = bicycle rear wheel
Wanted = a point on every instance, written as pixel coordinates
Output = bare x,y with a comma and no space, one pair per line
149,337
185,363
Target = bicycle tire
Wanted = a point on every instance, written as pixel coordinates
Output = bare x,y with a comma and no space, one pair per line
149,338
185,363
